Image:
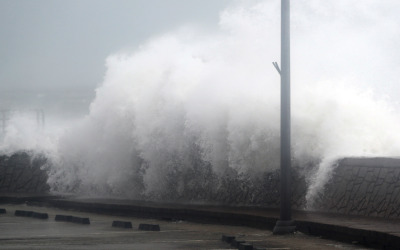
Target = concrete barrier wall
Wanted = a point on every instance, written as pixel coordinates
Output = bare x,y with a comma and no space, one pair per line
20,173
359,186
363,186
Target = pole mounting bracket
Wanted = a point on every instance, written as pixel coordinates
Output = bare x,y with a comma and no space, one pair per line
276,67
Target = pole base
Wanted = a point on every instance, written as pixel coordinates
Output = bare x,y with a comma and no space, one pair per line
284,227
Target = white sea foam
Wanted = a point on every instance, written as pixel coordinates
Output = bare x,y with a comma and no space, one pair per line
217,93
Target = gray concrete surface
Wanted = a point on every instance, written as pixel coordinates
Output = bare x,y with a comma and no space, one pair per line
369,231
32,233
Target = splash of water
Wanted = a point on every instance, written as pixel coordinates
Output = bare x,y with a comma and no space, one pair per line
192,99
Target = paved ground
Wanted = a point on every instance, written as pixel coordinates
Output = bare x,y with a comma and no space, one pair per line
369,231
32,233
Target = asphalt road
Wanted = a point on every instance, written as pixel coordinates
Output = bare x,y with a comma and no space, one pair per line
33,233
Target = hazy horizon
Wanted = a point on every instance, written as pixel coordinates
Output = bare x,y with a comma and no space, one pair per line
54,52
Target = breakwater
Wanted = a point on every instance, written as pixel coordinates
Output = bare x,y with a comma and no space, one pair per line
363,186
358,186
21,173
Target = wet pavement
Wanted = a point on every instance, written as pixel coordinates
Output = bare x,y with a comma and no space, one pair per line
375,232
33,233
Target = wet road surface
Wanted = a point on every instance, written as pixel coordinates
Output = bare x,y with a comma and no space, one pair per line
33,233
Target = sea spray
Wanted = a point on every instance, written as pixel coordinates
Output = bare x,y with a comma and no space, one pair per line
24,132
193,114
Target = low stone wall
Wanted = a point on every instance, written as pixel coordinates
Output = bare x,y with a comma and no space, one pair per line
363,186
20,173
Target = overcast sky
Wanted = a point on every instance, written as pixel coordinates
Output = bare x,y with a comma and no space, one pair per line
53,52
53,48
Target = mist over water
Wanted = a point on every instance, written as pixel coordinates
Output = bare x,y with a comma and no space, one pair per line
193,98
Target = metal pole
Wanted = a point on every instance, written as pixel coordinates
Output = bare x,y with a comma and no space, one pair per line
285,224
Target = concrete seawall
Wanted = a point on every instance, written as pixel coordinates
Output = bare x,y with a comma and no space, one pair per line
363,186
20,173
358,186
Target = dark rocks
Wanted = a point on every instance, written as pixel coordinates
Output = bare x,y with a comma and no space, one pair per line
40,215
245,246
228,238
236,242
60,217
23,213
122,224
73,219
32,214
79,220
149,227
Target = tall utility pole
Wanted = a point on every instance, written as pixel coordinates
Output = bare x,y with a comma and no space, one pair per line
285,224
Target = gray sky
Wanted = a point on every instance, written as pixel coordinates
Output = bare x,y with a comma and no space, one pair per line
53,51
